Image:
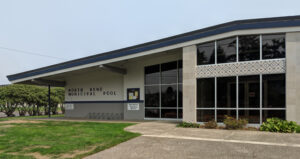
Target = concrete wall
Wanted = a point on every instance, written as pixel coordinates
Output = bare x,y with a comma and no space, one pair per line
189,62
293,76
134,114
108,81
104,111
135,78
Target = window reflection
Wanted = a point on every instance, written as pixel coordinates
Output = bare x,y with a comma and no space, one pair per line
151,96
206,92
169,96
152,75
152,113
273,46
169,73
226,92
274,91
222,113
251,115
180,71
249,91
205,115
249,48
169,113
179,113
206,53
273,113
226,50
180,95
163,90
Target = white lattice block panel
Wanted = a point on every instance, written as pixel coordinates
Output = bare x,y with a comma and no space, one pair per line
242,68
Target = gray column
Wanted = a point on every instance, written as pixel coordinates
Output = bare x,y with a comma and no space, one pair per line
189,63
293,76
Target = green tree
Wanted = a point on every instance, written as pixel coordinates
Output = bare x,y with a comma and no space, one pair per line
29,99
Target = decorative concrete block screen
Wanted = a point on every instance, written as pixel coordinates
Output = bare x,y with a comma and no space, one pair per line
242,68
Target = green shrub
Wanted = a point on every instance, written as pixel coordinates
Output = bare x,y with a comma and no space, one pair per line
211,124
298,129
278,125
233,123
188,125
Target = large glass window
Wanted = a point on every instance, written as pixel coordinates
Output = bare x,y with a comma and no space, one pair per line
205,115
206,93
251,105
226,50
180,71
249,93
252,116
273,113
222,113
169,95
152,113
226,92
206,53
169,73
152,96
179,95
274,91
152,74
249,48
273,46
169,113
163,90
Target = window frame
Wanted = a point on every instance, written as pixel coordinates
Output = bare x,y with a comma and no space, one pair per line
261,109
237,49
160,84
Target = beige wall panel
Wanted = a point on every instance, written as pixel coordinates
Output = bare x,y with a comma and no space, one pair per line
189,57
111,85
293,76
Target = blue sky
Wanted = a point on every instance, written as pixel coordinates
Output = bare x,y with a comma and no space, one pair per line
70,29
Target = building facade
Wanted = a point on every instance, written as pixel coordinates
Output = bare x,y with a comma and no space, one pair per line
245,69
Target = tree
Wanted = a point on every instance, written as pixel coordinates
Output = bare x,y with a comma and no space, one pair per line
29,99
10,99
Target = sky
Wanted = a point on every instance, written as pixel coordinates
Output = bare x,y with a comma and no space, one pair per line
37,33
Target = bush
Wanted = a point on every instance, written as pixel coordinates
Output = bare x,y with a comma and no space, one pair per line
188,125
22,110
278,125
298,129
233,123
8,109
211,124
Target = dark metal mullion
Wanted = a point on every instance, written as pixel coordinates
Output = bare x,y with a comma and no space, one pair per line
160,90
49,100
177,89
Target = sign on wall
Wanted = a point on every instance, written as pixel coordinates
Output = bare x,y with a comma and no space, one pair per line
69,106
133,106
94,91
133,94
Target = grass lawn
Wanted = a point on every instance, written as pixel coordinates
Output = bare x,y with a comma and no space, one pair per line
58,139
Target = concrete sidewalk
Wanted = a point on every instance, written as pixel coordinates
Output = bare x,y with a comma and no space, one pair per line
165,140
170,129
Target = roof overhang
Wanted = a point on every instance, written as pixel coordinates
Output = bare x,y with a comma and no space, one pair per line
271,25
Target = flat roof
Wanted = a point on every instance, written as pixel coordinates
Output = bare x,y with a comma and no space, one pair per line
262,23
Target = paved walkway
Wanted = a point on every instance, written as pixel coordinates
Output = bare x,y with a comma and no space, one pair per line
163,140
